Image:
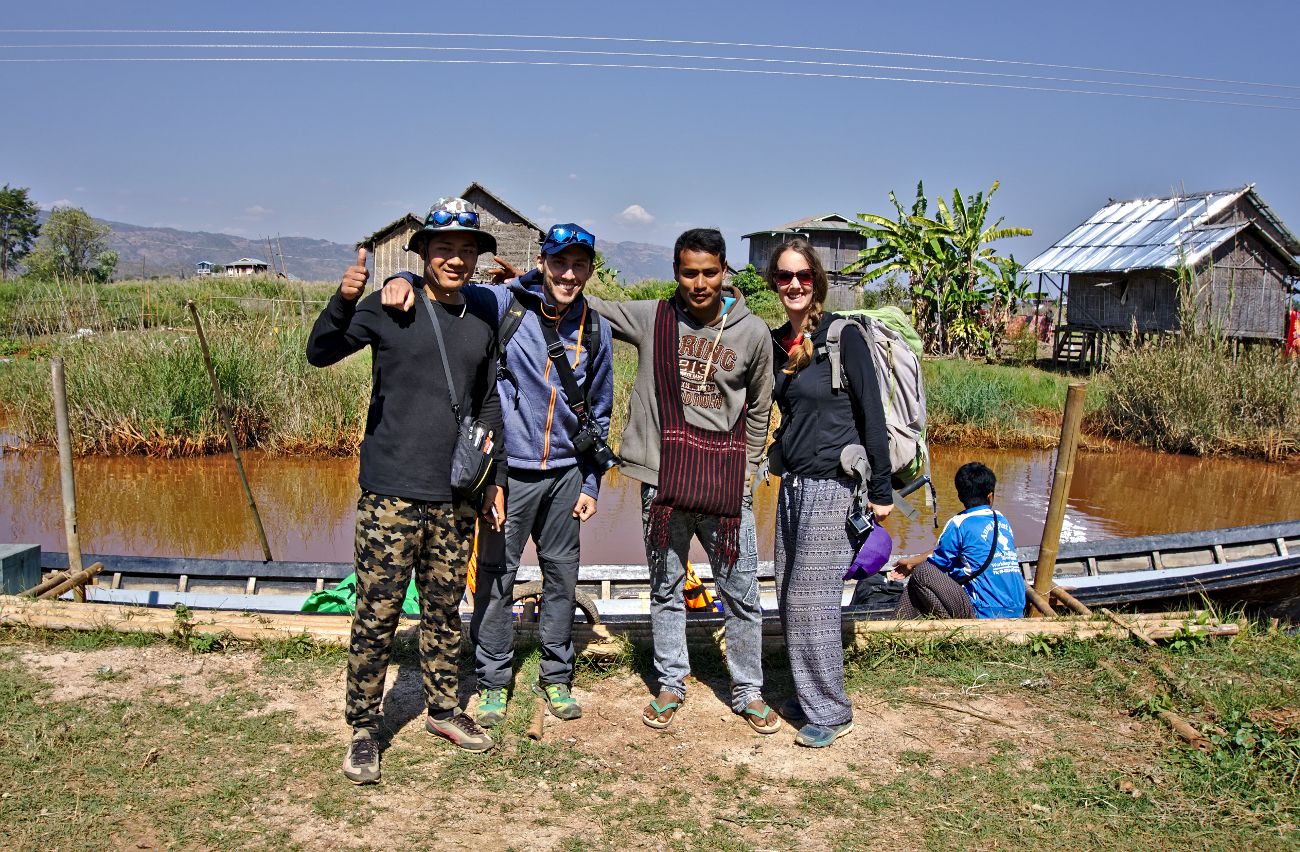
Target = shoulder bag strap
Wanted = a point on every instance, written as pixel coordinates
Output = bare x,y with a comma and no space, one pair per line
573,395
442,351
993,548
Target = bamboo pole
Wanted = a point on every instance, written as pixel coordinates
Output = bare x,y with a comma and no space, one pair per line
65,469
1134,631
538,721
45,585
77,581
230,430
1039,602
1069,600
1064,472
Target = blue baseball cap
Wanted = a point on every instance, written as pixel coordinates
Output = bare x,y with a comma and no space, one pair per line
561,237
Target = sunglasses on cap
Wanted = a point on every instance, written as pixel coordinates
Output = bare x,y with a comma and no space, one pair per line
785,276
563,234
443,217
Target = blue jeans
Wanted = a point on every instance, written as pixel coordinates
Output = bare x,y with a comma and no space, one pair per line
736,585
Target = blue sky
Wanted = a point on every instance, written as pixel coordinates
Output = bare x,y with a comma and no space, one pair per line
335,150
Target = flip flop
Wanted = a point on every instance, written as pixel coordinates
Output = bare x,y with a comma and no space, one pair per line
763,721
663,713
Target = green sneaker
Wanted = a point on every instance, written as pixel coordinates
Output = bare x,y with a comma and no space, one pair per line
561,702
491,708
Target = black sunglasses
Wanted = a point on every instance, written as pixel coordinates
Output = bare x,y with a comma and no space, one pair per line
785,276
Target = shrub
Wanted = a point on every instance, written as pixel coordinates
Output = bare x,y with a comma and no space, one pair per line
1192,395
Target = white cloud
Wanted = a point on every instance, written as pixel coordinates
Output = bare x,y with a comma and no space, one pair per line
572,176
257,211
62,202
635,214
545,209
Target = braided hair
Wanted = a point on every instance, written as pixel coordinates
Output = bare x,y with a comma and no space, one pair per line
802,355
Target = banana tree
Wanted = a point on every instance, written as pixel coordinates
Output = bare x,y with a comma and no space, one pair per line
897,246
974,265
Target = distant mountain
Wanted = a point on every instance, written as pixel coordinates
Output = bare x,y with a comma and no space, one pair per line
638,261
147,252
172,252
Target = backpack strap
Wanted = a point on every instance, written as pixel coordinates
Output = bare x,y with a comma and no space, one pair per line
575,397
514,315
993,548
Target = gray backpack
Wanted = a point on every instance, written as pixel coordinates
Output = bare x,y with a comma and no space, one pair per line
895,353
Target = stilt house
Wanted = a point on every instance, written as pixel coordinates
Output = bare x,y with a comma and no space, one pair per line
1218,259
518,237
837,244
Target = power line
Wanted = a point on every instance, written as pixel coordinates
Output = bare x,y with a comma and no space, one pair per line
651,55
650,67
689,42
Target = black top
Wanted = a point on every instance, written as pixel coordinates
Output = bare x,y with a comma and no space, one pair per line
410,430
816,423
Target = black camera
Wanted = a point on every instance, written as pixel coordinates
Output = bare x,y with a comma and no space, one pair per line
593,448
859,521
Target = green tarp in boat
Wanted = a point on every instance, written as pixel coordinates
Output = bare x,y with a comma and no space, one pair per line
343,598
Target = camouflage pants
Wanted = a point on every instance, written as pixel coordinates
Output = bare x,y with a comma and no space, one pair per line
394,538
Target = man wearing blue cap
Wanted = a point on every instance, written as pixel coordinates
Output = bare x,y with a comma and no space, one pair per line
557,389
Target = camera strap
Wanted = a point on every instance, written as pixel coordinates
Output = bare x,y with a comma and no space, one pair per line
993,548
574,396
442,351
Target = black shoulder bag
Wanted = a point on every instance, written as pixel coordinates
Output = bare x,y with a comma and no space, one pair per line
471,459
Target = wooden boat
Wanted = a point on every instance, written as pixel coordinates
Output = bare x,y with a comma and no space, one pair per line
1257,566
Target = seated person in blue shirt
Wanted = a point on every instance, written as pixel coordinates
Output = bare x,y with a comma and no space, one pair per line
973,571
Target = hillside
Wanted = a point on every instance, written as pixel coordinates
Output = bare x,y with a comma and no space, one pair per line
146,252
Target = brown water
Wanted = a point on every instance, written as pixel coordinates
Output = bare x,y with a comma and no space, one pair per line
195,507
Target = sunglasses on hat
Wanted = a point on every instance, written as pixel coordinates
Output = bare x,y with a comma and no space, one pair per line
563,234
443,217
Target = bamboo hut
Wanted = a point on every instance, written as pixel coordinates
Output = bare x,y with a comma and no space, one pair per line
836,242
518,237
1220,260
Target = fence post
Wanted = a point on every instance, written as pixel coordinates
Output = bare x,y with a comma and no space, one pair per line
1064,472
65,471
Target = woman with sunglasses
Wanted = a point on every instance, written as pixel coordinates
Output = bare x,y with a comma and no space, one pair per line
814,544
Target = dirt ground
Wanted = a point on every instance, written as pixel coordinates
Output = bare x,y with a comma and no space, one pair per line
707,748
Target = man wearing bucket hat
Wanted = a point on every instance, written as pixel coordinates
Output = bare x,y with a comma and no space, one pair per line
427,368
557,390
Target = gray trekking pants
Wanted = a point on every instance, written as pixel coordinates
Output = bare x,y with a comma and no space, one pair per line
539,504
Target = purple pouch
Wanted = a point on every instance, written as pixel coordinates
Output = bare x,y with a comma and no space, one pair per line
872,555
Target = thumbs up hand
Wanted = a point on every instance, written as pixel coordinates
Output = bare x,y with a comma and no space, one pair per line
354,279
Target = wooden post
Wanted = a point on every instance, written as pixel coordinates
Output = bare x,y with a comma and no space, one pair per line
1065,453
230,430
65,469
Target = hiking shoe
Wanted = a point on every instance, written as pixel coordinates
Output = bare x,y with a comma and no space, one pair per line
490,710
820,736
559,700
463,732
361,765
792,711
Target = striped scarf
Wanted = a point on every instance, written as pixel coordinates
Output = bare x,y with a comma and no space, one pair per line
700,470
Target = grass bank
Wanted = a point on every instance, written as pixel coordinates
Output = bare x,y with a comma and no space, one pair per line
149,393
1191,395
957,746
33,308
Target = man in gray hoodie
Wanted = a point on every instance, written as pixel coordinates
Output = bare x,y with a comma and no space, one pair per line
697,426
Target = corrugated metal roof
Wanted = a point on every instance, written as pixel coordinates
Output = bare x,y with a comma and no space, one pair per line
1146,233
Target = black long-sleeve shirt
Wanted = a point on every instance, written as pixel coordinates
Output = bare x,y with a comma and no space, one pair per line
410,429
816,422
